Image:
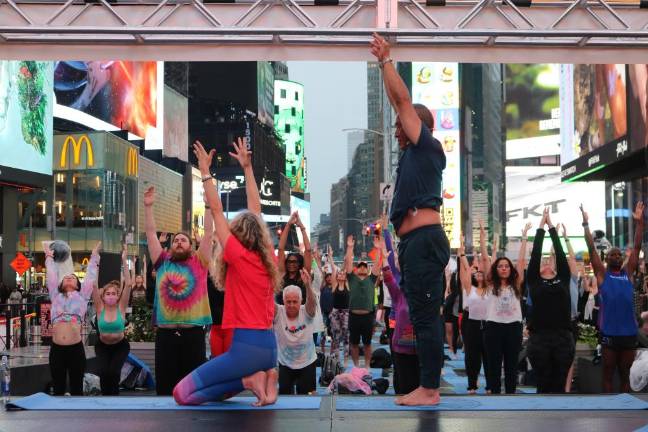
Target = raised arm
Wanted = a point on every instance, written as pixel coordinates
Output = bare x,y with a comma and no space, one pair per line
348,257
562,266
533,271
283,239
52,274
125,296
207,242
521,262
483,247
595,259
243,156
308,254
464,267
638,238
211,194
396,89
495,247
92,273
152,240
571,256
311,301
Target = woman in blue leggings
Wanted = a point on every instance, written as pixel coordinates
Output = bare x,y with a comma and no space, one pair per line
249,273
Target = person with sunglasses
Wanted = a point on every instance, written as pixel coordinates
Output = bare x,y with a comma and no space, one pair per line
476,298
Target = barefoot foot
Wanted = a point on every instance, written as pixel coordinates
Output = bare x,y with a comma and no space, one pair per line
256,383
272,377
422,397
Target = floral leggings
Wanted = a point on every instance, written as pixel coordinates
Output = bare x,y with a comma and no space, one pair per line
340,330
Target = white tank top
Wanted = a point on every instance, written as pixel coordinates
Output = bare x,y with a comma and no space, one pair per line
477,305
505,308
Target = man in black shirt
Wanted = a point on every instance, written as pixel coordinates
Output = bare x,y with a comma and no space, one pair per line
551,344
424,250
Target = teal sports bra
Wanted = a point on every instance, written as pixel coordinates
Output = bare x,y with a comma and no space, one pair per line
107,327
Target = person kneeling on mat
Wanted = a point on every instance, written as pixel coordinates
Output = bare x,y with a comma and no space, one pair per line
250,276
293,328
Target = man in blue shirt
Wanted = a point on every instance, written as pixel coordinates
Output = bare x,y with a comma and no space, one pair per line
424,250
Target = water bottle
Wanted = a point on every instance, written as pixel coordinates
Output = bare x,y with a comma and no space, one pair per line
5,376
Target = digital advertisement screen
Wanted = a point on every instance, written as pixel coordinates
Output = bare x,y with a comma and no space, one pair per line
176,125
304,209
436,85
265,92
529,189
122,93
532,110
289,124
596,135
26,122
638,106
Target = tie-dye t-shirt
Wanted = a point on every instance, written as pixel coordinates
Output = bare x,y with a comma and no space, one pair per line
181,291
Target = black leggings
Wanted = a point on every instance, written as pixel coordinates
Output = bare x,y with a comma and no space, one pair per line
473,337
303,379
67,360
503,342
177,353
406,372
551,354
110,360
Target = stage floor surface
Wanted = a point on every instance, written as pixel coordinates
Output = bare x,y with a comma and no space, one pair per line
326,419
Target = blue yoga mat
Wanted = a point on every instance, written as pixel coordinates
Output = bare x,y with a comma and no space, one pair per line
500,403
642,429
43,402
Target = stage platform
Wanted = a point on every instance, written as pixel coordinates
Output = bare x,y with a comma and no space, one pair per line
327,418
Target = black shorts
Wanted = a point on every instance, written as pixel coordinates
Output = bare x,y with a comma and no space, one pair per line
361,326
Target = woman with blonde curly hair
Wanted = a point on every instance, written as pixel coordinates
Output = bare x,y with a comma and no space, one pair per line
249,273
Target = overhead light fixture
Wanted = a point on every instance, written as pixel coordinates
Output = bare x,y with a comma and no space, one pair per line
327,2
435,2
522,3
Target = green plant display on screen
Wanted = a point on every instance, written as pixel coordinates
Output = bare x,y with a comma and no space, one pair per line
33,99
587,334
140,328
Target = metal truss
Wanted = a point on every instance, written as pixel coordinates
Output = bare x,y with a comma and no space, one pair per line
570,31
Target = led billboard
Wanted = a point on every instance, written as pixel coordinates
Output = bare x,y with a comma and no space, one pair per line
436,85
289,125
26,128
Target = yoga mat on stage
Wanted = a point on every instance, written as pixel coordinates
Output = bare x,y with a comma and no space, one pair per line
500,403
43,402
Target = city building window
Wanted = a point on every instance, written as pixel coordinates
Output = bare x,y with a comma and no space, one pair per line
287,128
87,199
293,111
282,94
296,96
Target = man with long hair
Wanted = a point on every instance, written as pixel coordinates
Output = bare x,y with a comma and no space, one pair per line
424,250
181,301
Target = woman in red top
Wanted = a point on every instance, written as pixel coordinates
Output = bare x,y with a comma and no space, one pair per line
250,276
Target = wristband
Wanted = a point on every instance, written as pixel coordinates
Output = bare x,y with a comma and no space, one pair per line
204,179
462,255
207,206
385,61
585,224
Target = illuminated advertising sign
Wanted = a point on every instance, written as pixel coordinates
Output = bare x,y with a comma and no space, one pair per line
529,189
532,110
597,133
436,85
26,126
289,125
304,209
124,94
75,145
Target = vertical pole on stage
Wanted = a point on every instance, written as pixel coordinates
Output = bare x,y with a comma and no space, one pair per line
23,339
8,328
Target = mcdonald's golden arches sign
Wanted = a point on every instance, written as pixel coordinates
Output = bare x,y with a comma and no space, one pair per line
132,162
77,147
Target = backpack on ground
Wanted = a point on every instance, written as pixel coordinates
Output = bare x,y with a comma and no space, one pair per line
381,359
330,369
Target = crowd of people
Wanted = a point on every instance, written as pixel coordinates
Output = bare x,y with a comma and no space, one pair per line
269,314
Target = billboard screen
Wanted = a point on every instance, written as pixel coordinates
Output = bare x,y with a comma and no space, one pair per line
26,122
529,189
121,93
436,85
176,124
532,110
265,92
289,124
304,209
596,135
638,105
